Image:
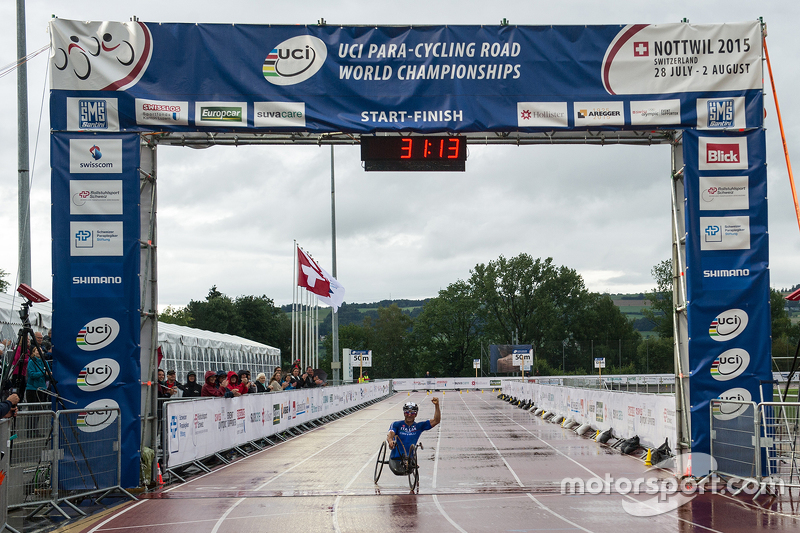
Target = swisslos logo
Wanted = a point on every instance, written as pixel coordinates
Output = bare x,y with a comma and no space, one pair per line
98,415
294,60
97,334
730,364
722,154
98,374
728,325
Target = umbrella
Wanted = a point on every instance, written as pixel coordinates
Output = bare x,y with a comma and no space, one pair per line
321,374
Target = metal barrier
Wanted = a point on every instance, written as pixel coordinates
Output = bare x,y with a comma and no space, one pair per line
734,438
779,436
31,456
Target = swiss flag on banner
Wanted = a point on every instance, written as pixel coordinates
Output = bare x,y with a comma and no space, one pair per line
311,276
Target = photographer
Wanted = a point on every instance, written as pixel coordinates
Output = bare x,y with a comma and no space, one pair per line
8,407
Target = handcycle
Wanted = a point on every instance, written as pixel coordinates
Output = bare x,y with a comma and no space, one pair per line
409,466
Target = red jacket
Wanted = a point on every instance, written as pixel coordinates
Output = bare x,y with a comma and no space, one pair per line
210,387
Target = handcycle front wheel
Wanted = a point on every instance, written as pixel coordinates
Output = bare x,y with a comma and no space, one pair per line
413,468
380,462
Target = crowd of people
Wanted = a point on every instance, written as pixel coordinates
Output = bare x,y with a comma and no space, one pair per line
232,384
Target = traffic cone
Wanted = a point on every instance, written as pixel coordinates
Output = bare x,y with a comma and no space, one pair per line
648,461
688,472
158,473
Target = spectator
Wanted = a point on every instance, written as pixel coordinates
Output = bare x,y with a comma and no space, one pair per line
8,408
213,388
295,378
287,383
261,383
245,385
172,385
192,388
37,375
233,382
163,391
275,381
308,378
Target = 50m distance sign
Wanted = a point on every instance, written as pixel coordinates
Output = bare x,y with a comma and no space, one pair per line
361,358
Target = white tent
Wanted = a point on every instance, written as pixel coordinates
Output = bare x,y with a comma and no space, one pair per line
183,348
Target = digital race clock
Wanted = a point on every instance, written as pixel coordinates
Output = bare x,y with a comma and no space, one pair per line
415,153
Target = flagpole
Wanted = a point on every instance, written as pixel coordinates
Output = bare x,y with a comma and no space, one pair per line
334,315
294,299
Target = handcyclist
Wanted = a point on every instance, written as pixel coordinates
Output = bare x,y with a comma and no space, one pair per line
405,433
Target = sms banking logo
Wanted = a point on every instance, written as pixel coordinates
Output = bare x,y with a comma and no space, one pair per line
97,334
294,60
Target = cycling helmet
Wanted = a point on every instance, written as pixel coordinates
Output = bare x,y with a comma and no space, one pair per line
410,406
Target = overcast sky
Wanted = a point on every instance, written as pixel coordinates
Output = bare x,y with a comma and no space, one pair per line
228,216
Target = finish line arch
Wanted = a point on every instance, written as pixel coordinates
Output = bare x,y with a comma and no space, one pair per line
121,89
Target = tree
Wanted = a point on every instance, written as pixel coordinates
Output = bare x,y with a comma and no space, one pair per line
3,283
447,332
217,313
259,320
389,338
173,315
661,309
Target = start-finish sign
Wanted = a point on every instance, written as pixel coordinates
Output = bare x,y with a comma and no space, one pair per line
111,80
109,76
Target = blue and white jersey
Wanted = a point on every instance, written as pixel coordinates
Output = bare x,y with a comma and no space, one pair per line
408,435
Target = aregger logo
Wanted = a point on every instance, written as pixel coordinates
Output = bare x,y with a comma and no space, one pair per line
294,60
542,115
599,113
162,112
97,334
98,416
719,193
279,114
95,156
227,114
729,411
98,374
95,197
730,364
92,114
656,112
718,153
721,113
728,325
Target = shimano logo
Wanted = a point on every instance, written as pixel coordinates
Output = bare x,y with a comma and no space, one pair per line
97,280
733,273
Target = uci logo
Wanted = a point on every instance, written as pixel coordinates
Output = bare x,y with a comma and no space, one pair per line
729,411
294,60
728,325
98,416
730,364
97,334
98,374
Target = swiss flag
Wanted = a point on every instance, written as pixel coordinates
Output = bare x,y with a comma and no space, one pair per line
311,276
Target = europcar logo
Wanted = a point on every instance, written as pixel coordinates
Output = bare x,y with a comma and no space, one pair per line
98,374
294,60
98,415
730,364
97,334
728,325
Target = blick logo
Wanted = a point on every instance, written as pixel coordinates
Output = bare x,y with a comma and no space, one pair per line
722,153
97,334
728,325
98,375
294,60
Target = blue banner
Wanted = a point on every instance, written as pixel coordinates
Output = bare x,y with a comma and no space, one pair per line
727,274
95,230
109,76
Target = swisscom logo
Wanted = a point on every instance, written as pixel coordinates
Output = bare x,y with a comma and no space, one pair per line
98,415
728,325
97,334
98,374
294,60
730,364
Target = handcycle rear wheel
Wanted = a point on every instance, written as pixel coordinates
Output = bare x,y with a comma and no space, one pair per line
380,462
413,468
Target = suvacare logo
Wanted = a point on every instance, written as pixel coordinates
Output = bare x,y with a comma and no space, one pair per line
729,411
722,154
98,415
93,156
97,334
98,374
728,325
294,60
279,114
730,364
